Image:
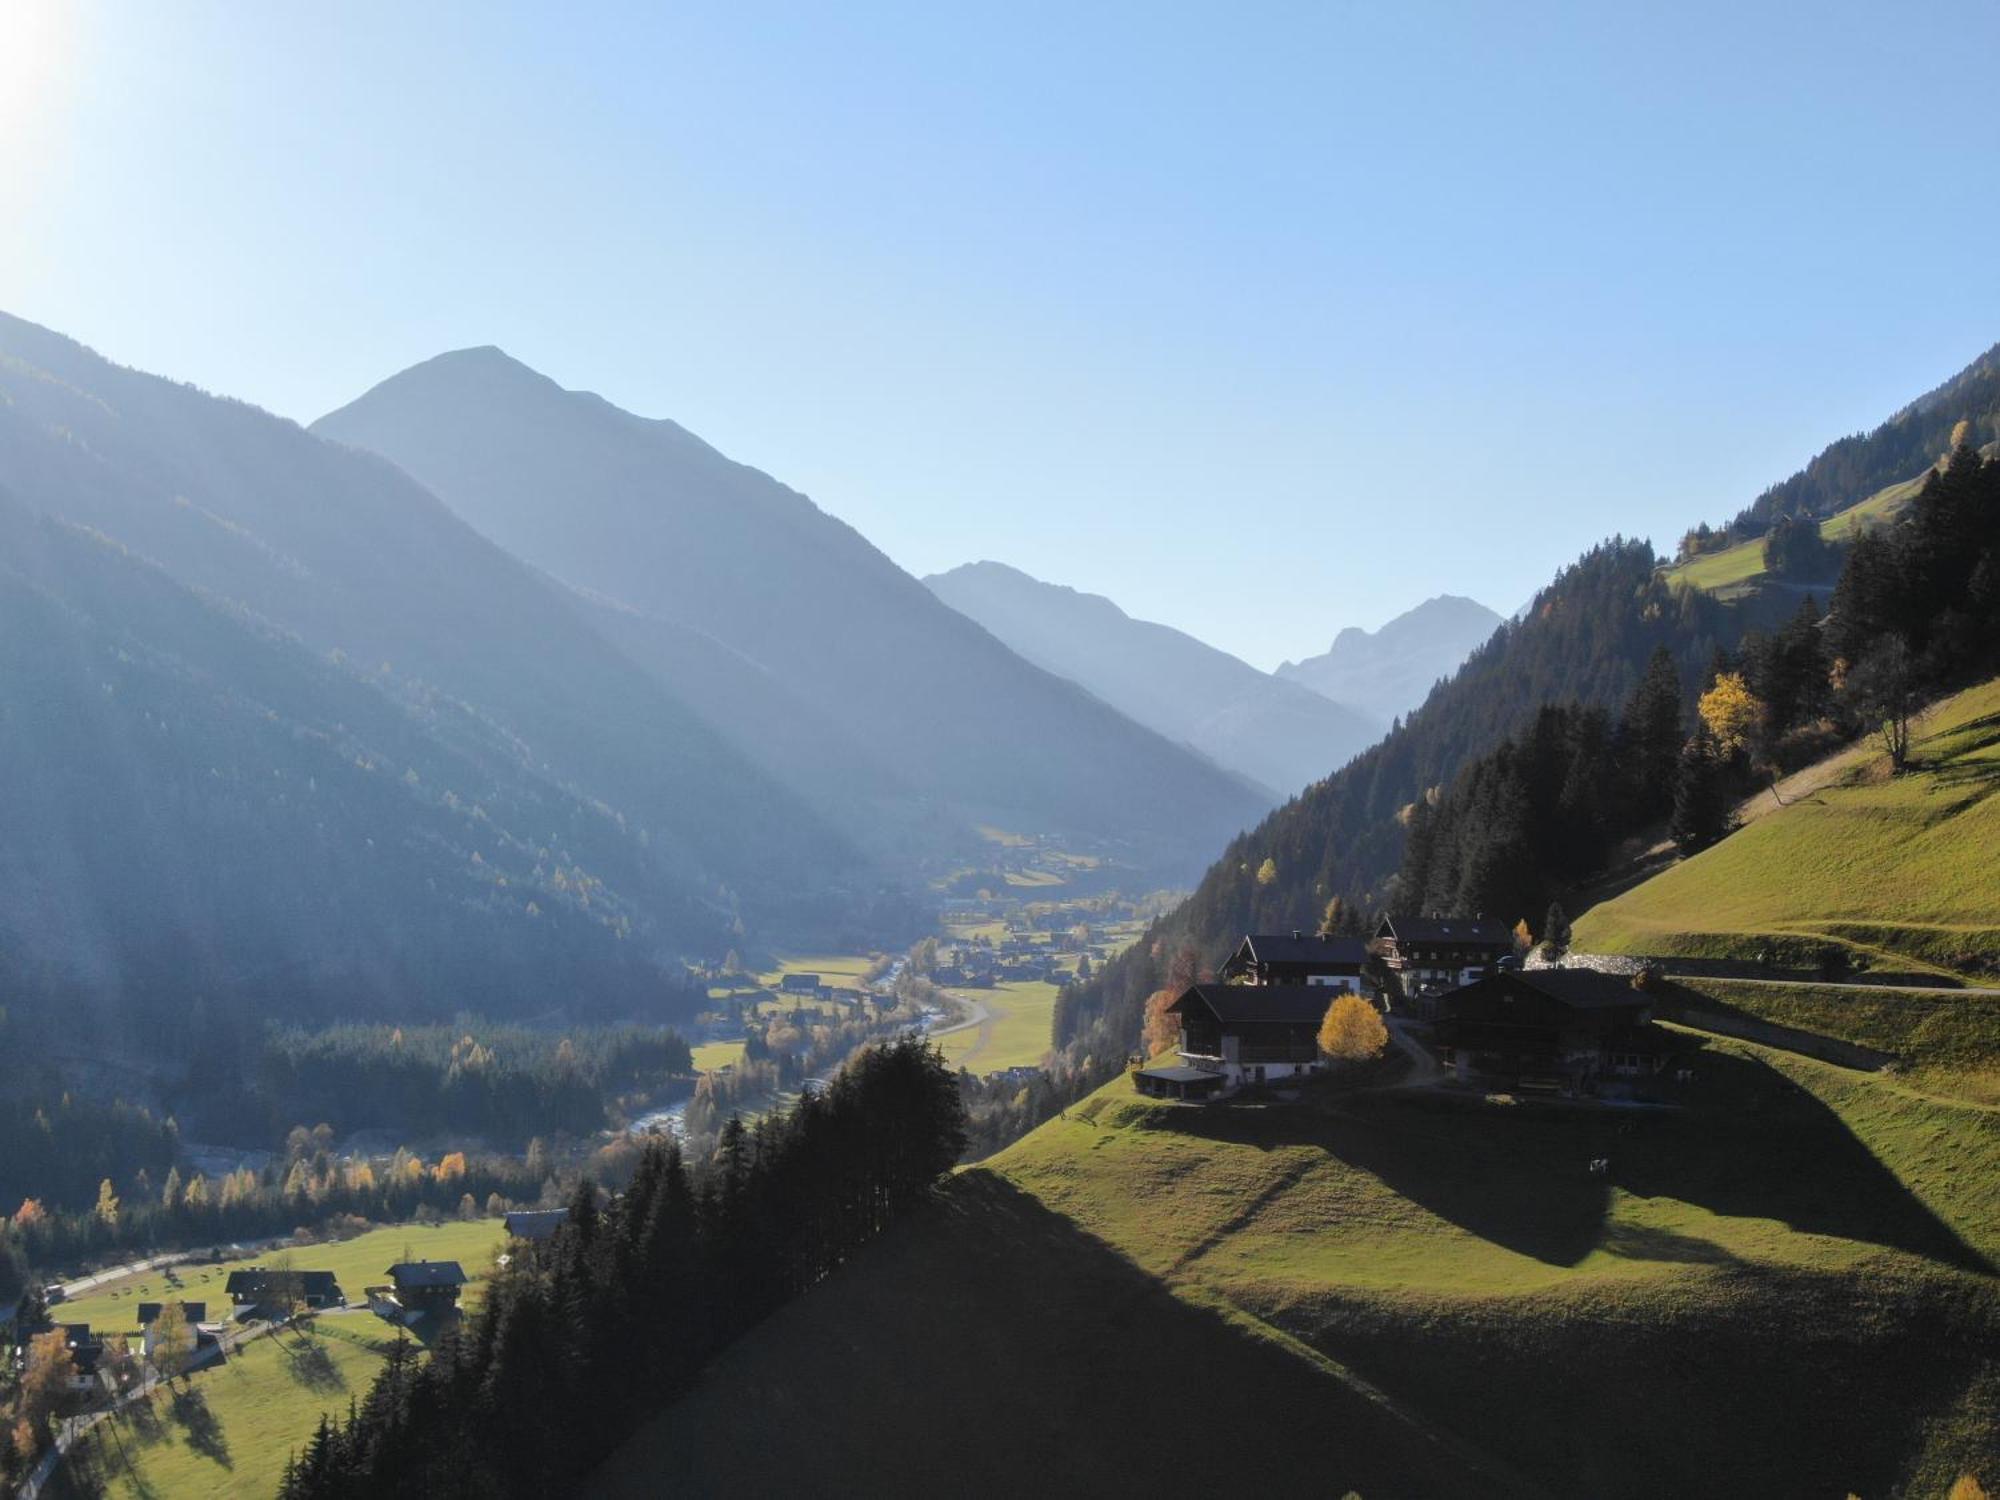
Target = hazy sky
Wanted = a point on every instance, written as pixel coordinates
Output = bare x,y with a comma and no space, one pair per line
1260,319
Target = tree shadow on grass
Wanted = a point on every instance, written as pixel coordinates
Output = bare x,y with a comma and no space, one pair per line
307,1362
199,1426
1751,1144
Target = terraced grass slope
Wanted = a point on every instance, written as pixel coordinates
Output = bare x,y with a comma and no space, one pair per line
1733,569
1897,872
1786,1289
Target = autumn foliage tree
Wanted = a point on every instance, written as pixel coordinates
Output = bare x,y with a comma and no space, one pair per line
1352,1031
1162,1029
1733,714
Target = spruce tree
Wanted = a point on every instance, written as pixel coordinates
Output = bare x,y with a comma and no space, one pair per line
1701,795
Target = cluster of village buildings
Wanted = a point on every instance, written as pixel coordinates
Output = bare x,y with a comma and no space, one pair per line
1454,985
415,1290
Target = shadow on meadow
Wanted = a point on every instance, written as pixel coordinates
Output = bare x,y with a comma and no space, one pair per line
1750,1144
1008,1351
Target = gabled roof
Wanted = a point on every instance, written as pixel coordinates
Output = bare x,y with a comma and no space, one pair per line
427,1273
1481,931
1235,1004
1300,948
193,1311
259,1279
535,1223
1541,997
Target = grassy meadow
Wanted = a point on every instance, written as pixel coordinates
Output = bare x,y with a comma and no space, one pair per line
356,1263
1732,568
1016,1033
1441,1295
1899,871
230,1430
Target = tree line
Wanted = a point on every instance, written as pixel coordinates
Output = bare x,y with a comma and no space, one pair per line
502,1083
582,1339
1589,637
1916,613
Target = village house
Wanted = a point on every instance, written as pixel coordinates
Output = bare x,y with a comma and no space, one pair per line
536,1224
201,1335
1272,958
1237,1034
1425,956
799,984
1573,1032
263,1290
427,1286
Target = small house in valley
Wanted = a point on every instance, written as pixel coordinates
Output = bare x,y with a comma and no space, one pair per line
1573,1032
536,1224
1426,956
268,1290
799,984
1236,1034
1294,958
427,1286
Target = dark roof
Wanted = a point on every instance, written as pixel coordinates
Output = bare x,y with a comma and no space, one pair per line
1467,930
244,1285
535,1223
1238,1003
1541,997
1297,948
799,982
1177,1074
193,1311
427,1273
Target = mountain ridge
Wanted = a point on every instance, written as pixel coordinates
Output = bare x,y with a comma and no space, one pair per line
1388,671
959,730
1281,736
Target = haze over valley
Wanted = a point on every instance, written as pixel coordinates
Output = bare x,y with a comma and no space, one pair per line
756,755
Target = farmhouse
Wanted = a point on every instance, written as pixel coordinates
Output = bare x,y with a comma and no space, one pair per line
1270,958
1233,1034
1427,955
535,1223
259,1289
1553,1031
799,984
427,1286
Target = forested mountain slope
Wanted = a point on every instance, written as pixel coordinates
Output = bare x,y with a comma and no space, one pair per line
1588,637
647,515
1278,734
298,601
1855,467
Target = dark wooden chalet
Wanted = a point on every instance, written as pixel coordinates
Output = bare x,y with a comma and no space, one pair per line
1426,956
427,1285
194,1312
535,1223
1275,958
1242,1033
1555,1031
261,1287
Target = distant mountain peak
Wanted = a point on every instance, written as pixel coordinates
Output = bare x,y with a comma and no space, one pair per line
1279,735
1389,671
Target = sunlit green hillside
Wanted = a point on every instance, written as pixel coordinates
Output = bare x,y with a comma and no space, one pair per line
1897,872
1442,1294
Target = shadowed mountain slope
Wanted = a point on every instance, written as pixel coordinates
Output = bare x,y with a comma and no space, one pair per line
324,589
1277,734
652,519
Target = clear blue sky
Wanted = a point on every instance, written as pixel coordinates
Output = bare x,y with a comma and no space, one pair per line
1260,319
